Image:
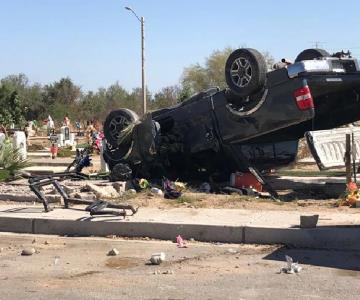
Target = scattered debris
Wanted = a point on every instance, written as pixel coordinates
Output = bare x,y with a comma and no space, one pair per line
231,251
144,184
131,191
104,192
166,272
291,267
245,180
157,191
205,188
111,236
82,195
113,252
119,186
180,186
157,258
97,207
170,191
180,242
28,251
352,195
232,190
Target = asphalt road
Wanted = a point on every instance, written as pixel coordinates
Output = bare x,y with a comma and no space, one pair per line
78,268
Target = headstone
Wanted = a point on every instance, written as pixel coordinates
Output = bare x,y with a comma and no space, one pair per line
19,142
103,165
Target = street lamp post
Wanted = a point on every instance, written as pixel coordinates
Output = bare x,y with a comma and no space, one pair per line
143,81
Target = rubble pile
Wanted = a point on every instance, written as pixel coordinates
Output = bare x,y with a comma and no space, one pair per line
19,190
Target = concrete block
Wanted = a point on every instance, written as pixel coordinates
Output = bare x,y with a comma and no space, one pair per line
103,192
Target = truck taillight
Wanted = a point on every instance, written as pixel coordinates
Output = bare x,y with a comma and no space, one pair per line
304,99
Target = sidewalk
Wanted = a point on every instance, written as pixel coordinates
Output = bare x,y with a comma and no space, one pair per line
338,231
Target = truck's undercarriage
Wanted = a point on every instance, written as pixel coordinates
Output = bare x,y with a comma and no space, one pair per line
256,122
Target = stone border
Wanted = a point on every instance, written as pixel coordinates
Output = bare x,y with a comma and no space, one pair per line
320,238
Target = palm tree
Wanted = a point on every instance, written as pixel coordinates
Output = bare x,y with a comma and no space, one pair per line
11,161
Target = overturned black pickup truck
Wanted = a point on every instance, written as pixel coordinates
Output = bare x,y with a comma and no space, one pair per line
256,122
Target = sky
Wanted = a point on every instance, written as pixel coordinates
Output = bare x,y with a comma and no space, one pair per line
97,42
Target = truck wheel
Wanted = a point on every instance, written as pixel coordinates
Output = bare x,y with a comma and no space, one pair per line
310,54
245,71
114,156
116,121
121,172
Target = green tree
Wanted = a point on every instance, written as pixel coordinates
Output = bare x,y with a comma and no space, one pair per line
134,100
92,105
12,111
116,97
33,100
197,77
62,91
61,98
30,96
167,96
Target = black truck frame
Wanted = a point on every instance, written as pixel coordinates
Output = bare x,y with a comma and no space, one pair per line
255,123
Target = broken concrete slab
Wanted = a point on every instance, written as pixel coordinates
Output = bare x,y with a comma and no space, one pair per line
119,186
103,192
85,196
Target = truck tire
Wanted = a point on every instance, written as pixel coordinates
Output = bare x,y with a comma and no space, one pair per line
116,121
120,172
245,71
310,54
115,156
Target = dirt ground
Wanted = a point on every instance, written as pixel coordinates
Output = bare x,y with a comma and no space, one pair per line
289,200
79,268
201,200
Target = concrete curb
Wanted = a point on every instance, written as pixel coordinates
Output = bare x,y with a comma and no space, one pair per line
163,231
321,237
18,225
332,237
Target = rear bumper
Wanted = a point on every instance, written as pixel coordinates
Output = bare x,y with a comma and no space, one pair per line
324,84
336,99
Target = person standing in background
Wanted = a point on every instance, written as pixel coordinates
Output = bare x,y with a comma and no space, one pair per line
66,121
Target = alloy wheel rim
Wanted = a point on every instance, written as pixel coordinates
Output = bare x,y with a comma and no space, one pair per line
241,72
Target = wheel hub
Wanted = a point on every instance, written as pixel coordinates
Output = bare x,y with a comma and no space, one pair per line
116,125
241,72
